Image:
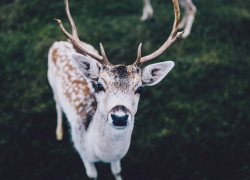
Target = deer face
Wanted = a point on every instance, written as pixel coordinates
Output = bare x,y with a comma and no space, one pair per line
119,86
119,92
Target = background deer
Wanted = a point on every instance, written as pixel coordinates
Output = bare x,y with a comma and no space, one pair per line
187,19
100,99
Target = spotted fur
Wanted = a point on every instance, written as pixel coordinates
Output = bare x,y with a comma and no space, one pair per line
77,92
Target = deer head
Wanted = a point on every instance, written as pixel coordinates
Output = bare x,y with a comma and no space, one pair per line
119,86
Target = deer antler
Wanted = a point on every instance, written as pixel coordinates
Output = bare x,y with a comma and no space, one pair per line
171,39
76,41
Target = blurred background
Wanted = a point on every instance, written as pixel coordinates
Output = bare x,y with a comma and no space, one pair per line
193,125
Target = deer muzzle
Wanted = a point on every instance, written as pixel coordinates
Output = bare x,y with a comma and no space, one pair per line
120,116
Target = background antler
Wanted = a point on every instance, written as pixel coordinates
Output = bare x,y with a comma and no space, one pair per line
76,41
171,39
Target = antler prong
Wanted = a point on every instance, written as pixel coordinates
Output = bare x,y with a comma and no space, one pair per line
59,22
105,59
138,59
71,21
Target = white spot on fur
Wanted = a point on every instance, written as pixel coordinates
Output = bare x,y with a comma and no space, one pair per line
70,90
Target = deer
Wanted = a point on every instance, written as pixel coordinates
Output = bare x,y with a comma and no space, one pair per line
100,99
187,19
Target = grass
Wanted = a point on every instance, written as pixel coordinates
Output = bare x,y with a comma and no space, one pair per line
192,125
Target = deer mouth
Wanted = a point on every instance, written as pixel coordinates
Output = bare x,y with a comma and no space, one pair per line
120,127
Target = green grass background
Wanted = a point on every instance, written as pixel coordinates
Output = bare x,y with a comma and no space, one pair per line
193,125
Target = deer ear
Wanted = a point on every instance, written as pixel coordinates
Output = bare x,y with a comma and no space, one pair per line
154,73
86,66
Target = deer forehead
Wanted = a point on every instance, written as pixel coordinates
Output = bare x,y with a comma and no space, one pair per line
121,76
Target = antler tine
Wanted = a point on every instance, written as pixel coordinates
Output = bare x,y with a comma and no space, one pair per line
171,39
105,59
71,21
138,59
74,38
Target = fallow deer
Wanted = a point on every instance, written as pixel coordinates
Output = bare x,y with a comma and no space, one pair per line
100,99
187,19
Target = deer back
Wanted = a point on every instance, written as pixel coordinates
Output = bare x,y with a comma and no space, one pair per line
75,93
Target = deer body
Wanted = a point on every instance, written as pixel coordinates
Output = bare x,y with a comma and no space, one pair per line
75,94
100,99
93,138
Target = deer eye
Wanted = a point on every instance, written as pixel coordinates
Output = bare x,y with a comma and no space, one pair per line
139,90
100,87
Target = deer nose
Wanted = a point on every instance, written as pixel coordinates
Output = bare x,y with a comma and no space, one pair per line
119,120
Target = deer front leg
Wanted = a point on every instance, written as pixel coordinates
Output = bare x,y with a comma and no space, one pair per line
188,18
183,21
59,127
188,27
147,10
116,169
90,170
